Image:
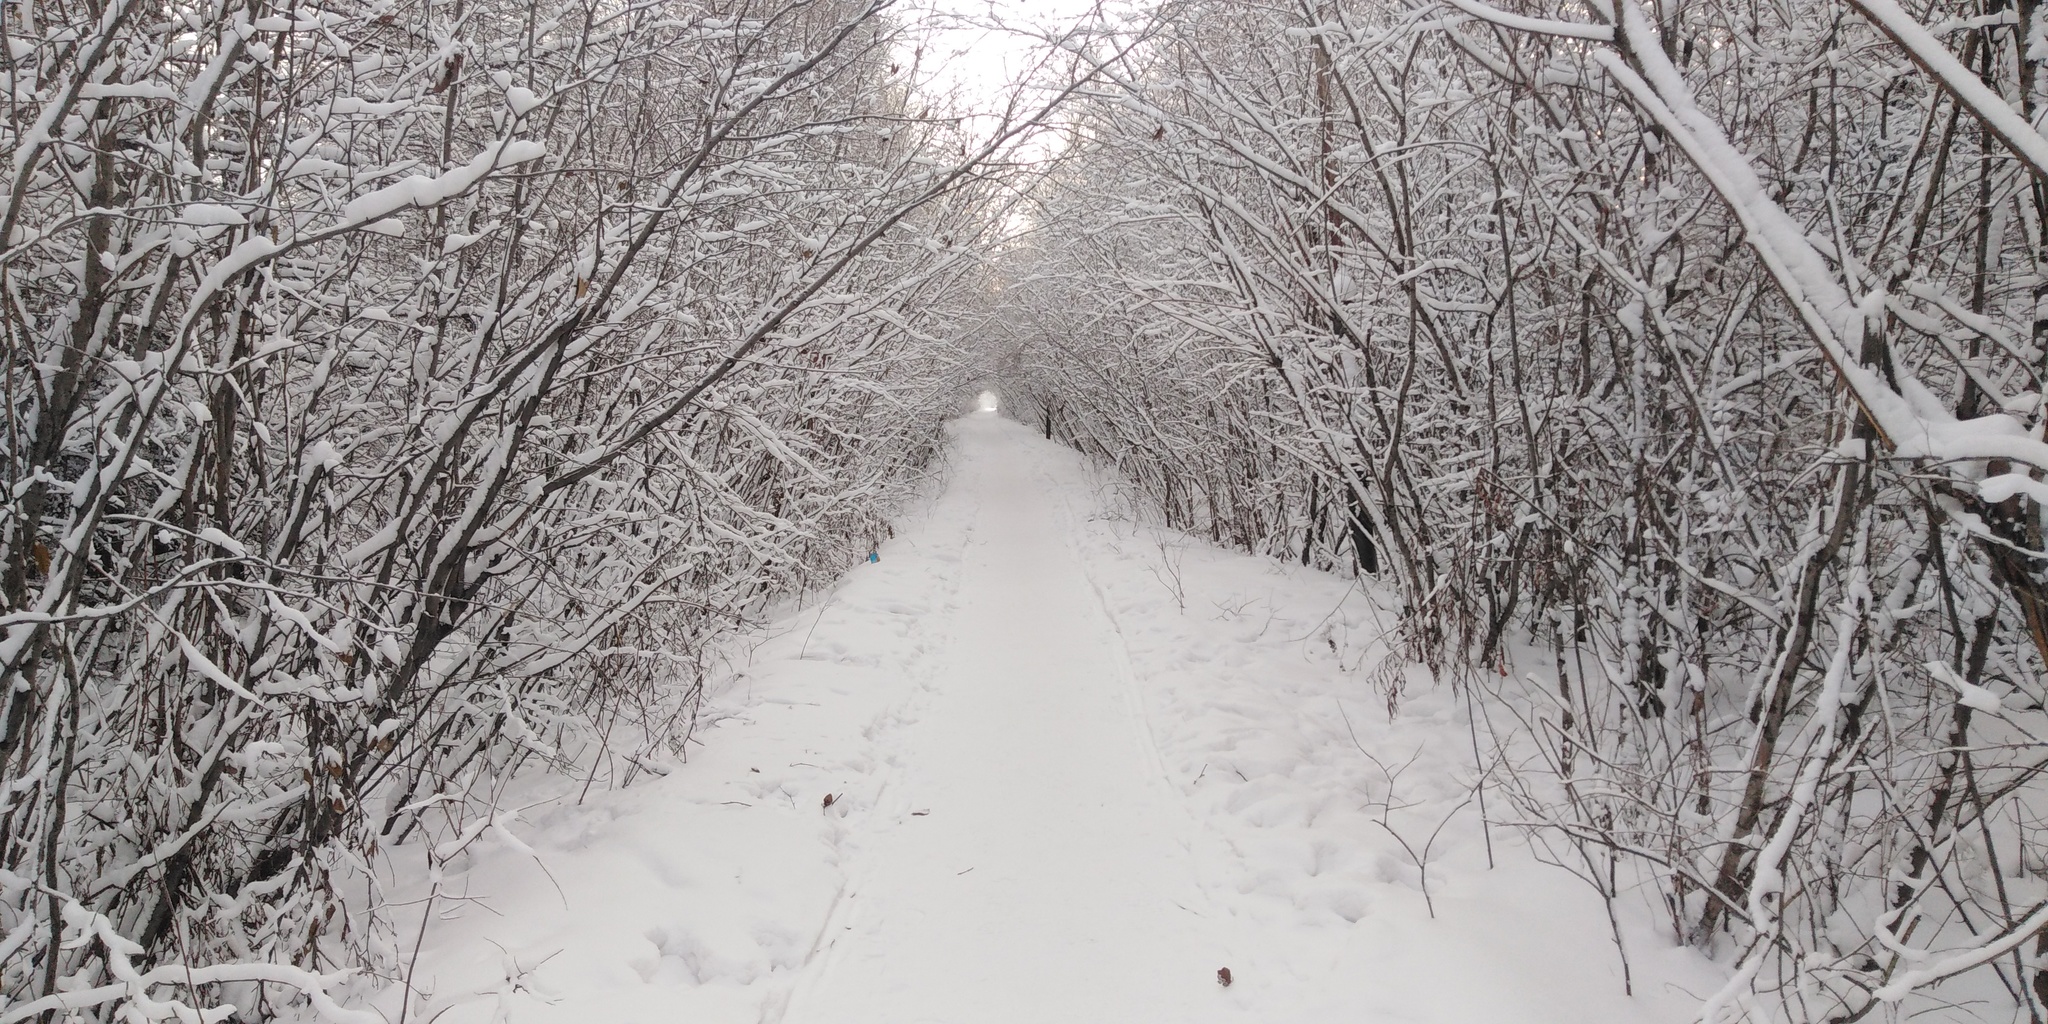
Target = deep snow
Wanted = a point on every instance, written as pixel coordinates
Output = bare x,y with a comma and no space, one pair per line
1076,764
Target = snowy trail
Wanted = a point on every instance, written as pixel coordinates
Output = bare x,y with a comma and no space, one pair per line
1037,867
1075,764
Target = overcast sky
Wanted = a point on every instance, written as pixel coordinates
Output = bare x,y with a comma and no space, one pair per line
982,58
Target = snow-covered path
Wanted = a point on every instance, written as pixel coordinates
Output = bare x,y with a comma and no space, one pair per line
1074,765
1032,864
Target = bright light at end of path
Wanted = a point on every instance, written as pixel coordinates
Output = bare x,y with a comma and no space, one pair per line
986,404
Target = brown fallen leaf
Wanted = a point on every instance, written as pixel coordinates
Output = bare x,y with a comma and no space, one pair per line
1223,976
829,797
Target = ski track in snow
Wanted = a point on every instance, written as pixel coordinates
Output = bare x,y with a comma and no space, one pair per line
1077,765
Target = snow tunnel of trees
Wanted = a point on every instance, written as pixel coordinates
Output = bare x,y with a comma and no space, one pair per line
405,393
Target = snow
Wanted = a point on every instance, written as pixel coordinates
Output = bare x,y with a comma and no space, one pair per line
1540,26
1962,83
1039,762
221,540
247,253
209,214
136,985
2016,935
521,99
1968,694
1911,418
424,191
205,666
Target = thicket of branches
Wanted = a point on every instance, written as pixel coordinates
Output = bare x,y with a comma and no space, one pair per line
1680,366
400,391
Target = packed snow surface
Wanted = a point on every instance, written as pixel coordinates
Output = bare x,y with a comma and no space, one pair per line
1042,763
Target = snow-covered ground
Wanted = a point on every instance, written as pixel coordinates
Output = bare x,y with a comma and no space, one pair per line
1041,763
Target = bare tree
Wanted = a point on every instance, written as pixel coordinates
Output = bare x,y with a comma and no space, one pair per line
400,394
1678,367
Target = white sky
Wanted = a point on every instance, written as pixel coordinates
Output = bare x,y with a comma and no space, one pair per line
980,58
